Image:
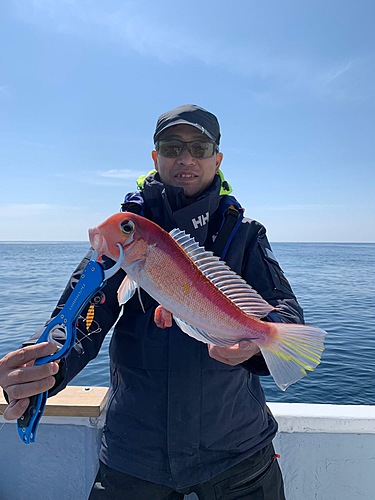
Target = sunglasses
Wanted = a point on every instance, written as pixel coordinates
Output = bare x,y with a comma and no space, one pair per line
172,148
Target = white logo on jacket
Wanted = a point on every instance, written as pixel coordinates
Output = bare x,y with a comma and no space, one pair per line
201,220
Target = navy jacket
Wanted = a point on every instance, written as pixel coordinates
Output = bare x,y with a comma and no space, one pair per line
175,416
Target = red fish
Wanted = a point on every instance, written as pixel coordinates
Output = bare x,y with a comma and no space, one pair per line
207,299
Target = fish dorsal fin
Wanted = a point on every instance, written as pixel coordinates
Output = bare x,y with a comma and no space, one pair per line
232,285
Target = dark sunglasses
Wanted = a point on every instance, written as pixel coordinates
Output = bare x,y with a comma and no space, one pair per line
172,148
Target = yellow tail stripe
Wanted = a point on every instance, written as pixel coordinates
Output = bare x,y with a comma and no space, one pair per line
291,357
295,348
308,342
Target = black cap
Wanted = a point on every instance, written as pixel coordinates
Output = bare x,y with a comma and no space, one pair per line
189,114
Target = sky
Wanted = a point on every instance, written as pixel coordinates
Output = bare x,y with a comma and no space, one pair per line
83,82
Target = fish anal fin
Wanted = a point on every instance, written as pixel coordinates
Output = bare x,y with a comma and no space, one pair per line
201,335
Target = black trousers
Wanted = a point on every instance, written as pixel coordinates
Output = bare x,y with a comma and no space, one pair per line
256,478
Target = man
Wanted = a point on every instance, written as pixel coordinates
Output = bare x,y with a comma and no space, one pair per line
182,416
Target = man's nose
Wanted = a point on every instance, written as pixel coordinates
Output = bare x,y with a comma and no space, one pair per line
185,157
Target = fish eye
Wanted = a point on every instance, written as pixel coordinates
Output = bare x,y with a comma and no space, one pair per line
127,226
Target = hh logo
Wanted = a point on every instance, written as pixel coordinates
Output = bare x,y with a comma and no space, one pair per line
201,220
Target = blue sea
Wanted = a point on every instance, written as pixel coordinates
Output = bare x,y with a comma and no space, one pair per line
334,283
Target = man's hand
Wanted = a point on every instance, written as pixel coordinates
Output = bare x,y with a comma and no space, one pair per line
235,354
20,379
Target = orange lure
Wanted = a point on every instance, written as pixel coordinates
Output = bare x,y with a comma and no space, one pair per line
207,299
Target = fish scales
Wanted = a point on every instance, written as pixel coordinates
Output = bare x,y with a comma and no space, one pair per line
181,287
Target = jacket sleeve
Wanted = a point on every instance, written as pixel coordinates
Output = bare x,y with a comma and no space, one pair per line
91,329
262,271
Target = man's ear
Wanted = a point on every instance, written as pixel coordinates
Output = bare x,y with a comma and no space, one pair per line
155,157
219,159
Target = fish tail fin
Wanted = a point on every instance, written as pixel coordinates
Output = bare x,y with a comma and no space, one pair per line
294,350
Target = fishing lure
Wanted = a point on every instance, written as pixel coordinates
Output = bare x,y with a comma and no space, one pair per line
90,316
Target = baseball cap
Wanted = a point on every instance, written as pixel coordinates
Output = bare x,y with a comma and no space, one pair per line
189,114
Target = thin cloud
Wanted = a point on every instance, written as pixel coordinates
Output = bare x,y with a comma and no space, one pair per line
335,73
90,181
120,24
121,174
17,210
112,177
123,24
47,222
4,90
38,144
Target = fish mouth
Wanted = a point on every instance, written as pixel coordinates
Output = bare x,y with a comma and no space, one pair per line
98,242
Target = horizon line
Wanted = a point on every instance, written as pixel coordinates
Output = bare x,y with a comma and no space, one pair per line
271,241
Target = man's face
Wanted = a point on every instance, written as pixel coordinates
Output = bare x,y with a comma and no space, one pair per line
194,175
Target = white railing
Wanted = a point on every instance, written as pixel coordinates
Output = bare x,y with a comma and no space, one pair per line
327,451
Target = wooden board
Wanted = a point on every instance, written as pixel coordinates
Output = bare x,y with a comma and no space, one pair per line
73,401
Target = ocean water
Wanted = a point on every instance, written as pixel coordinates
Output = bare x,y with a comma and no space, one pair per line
334,283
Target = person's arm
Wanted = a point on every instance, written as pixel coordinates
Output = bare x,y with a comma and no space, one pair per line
20,379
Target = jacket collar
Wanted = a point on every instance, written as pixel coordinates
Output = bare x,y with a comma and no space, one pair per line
170,208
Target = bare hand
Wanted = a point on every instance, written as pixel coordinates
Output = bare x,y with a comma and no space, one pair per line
20,379
162,317
235,354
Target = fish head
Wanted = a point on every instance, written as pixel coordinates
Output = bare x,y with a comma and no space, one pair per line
124,228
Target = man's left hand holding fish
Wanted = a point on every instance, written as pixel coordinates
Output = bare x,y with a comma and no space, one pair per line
234,354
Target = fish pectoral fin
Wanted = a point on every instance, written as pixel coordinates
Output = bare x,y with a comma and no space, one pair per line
126,290
201,335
